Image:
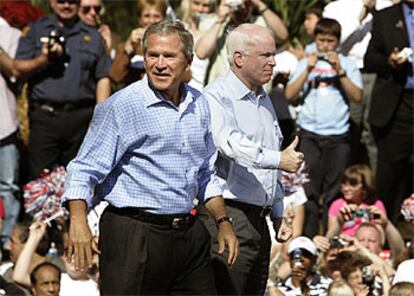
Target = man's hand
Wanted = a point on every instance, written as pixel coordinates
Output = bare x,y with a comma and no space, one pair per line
291,160
395,60
227,237
37,230
322,243
346,213
285,232
81,244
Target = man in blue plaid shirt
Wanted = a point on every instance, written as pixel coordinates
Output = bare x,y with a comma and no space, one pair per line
149,152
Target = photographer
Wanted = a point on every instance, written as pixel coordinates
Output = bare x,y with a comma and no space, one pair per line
303,279
230,14
67,69
364,277
328,81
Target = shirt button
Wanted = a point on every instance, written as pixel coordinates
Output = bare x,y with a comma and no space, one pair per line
183,144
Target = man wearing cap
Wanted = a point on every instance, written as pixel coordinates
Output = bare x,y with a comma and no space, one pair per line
67,69
303,279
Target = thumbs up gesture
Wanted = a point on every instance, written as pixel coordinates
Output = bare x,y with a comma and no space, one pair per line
290,159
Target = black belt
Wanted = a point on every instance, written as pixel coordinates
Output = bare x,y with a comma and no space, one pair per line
175,221
53,107
248,209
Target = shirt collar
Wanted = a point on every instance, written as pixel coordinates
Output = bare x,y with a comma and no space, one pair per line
155,97
240,90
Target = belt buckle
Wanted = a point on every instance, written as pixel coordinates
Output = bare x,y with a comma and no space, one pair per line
177,222
265,211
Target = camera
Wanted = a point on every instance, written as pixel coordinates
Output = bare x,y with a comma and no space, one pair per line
361,213
322,56
56,36
235,5
297,258
337,243
368,277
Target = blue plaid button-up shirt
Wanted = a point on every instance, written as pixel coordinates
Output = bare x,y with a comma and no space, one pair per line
142,151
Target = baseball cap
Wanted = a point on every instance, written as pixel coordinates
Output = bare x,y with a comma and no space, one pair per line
404,272
302,242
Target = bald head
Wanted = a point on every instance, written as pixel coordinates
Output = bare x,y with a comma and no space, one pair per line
245,37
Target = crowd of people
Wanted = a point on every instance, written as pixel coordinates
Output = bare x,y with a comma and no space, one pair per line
206,154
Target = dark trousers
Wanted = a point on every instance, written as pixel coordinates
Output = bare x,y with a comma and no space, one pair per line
249,274
55,137
326,158
394,176
143,258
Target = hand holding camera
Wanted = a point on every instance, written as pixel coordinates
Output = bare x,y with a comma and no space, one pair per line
53,45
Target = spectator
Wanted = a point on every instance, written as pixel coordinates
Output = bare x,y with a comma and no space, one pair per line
358,200
45,279
212,44
340,288
67,76
328,81
9,124
391,115
402,289
355,18
364,277
312,16
128,65
193,13
91,12
29,248
303,280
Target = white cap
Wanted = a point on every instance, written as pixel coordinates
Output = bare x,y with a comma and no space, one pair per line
404,272
302,242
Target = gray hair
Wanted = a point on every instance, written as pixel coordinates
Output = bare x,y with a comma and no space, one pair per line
243,38
166,28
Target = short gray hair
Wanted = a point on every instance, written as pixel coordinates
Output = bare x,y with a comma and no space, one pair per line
243,38
166,28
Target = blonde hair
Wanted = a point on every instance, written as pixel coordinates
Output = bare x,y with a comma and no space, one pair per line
340,287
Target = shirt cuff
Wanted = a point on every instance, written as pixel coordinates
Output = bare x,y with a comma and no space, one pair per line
76,193
271,159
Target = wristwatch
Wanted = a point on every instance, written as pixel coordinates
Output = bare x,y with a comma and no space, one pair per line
224,219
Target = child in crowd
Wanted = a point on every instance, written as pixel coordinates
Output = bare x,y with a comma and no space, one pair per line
359,197
324,82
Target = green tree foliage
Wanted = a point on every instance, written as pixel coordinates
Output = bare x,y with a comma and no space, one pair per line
293,14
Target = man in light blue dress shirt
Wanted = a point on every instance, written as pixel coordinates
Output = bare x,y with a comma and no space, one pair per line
149,152
246,132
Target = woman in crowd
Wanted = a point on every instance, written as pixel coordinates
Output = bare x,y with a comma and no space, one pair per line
358,204
191,13
128,65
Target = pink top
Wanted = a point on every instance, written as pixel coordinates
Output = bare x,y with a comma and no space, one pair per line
350,227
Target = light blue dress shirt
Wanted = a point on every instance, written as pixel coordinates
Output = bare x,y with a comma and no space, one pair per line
142,151
325,110
246,132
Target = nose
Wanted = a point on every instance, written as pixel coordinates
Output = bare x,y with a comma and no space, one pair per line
160,63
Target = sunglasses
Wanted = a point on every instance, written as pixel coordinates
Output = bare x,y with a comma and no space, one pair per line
87,8
68,1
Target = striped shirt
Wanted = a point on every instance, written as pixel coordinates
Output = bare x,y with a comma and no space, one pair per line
318,285
142,151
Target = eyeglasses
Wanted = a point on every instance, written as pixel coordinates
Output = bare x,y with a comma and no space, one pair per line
67,1
87,8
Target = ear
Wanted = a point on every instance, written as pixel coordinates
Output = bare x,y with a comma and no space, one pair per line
238,59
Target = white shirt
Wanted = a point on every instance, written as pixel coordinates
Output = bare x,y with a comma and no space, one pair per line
8,111
355,35
246,131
